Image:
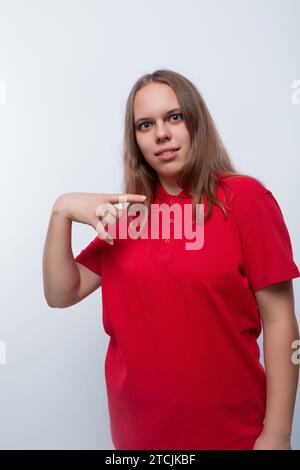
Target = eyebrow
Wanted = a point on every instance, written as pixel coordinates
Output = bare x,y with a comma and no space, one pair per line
145,118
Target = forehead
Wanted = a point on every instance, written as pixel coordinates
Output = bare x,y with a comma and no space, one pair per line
155,98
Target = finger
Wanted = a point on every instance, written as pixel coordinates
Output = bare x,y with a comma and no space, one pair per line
108,219
108,211
103,234
121,198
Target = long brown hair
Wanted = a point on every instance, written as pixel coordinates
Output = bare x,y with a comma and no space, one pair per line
207,158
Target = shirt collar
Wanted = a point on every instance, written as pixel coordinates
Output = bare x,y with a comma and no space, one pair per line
162,194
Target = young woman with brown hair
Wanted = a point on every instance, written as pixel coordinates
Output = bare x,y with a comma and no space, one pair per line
182,367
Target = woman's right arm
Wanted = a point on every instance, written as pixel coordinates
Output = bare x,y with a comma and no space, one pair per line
61,274
66,282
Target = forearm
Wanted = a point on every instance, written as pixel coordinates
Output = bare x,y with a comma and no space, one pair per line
60,272
281,374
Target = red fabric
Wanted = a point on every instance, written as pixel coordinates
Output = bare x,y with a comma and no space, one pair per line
182,368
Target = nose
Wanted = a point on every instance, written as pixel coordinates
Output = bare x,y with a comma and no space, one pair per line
162,132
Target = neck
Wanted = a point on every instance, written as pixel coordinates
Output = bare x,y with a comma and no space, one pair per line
170,185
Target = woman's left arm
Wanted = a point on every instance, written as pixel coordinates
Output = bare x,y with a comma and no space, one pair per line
280,330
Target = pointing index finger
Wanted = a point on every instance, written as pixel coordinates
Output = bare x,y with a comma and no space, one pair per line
116,198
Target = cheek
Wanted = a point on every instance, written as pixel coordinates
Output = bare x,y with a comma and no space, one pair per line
145,148
185,137
145,145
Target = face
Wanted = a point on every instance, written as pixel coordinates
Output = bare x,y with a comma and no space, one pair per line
159,124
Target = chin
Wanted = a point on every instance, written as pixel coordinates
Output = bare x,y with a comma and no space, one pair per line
170,172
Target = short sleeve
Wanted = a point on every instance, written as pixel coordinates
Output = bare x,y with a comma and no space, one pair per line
266,244
91,255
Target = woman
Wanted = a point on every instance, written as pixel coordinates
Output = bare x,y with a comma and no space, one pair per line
182,367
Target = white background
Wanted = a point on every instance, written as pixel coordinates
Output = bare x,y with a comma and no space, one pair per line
66,69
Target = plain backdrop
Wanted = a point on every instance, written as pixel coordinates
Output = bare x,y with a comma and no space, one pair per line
66,69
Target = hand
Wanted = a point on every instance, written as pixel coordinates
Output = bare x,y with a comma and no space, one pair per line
95,209
268,442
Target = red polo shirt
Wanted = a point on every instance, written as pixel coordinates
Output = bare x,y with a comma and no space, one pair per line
182,368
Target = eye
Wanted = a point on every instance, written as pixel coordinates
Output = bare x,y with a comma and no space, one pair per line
147,122
177,114
140,125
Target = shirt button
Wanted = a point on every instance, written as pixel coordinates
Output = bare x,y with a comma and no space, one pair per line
171,221
172,201
167,240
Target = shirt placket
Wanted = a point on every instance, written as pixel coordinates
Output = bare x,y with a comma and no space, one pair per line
167,244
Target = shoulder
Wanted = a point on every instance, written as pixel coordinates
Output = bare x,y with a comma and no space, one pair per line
242,190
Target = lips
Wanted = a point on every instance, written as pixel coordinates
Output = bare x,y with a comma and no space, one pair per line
167,150
168,156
